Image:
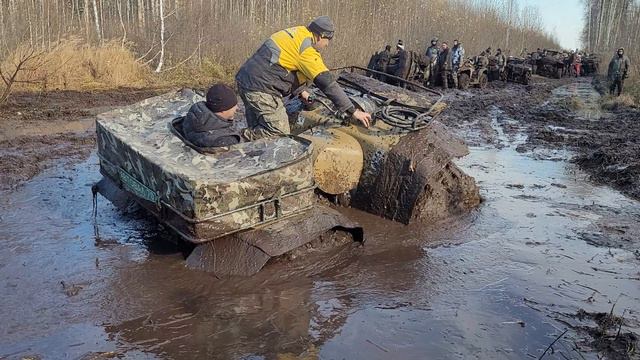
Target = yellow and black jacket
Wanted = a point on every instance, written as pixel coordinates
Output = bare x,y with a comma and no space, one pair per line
286,61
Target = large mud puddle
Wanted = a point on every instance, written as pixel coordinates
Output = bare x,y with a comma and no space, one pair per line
545,252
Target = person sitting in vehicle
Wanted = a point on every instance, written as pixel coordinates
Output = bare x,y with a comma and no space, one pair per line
210,123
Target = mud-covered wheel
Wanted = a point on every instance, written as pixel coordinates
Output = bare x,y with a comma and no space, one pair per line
483,80
463,81
526,78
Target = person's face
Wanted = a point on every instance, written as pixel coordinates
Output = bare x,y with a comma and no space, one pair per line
434,43
620,52
321,43
444,46
229,114
455,43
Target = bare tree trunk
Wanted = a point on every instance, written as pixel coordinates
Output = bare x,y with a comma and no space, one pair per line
124,29
87,20
162,44
3,43
97,19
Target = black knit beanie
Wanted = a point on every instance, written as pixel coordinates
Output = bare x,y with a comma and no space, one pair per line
220,97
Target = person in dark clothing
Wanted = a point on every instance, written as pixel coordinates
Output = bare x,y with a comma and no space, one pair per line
535,59
457,58
432,57
618,71
210,123
383,59
402,61
445,64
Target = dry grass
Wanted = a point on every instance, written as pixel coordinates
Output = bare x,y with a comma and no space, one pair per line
73,65
196,75
610,102
633,89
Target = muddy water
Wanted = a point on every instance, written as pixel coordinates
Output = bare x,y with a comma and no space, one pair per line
501,282
585,97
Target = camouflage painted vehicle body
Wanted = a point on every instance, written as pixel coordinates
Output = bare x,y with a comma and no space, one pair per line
247,203
202,196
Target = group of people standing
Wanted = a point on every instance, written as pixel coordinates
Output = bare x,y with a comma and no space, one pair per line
443,62
439,64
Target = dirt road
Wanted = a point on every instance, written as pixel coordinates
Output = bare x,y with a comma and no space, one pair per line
548,251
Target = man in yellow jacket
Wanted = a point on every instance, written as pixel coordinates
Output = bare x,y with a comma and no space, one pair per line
288,60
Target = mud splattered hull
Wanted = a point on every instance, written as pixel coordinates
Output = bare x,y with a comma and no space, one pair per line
202,196
199,231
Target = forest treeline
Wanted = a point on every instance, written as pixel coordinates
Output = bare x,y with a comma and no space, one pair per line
609,25
166,34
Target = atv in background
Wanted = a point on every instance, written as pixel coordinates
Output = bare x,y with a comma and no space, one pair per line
472,72
590,64
551,64
518,70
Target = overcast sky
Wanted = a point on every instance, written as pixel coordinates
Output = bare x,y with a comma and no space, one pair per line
562,18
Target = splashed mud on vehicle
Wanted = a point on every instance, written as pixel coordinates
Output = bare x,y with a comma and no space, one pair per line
547,251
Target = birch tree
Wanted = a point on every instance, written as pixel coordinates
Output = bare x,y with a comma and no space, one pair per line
162,42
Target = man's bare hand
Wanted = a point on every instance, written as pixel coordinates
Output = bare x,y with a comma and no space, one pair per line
305,95
363,117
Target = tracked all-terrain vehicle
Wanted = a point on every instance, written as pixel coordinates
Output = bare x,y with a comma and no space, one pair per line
247,203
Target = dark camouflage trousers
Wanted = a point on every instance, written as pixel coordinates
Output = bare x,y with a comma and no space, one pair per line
266,115
618,83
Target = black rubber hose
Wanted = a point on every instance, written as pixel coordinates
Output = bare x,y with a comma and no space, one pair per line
404,118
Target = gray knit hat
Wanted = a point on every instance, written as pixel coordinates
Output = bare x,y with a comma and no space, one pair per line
323,26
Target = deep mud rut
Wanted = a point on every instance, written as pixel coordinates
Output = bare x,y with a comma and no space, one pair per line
549,250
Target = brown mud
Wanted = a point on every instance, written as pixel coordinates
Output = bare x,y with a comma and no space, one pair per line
603,143
548,264
36,129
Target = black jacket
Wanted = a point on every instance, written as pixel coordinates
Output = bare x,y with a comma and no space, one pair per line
445,62
402,64
204,128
